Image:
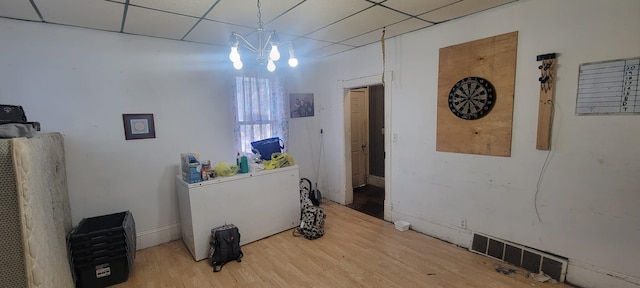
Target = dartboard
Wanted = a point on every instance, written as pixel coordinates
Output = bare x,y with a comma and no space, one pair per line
472,98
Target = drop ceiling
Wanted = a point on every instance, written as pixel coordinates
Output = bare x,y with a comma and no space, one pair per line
317,28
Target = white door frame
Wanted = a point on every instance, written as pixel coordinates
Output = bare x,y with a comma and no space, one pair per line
346,86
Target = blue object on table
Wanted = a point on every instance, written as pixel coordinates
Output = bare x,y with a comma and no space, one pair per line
266,147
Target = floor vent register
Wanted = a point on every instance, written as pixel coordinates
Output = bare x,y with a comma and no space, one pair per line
527,258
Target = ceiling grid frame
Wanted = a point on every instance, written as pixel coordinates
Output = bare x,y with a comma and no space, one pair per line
322,25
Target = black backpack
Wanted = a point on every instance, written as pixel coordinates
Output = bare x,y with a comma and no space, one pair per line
225,246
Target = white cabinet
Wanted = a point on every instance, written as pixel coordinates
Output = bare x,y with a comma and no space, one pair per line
260,204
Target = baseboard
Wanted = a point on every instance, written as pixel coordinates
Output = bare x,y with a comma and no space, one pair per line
335,196
589,276
158,236
376,181
388,207
435,229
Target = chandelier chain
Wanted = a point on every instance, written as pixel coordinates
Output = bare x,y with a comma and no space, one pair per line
259,16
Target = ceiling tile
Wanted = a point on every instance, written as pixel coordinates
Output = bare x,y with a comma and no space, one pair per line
212,32
461,8
158,24
361,23
391,31
195,8
330,50
18,9
312,25
315,14
417,7
245,12
304,46
96,14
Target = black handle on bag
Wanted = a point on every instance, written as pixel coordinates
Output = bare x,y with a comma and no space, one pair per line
308,182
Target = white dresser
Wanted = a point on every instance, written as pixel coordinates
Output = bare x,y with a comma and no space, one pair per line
260,204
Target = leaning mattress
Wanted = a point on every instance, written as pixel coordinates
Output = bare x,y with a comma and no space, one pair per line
44,212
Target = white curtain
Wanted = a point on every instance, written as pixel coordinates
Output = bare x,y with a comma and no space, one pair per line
261,110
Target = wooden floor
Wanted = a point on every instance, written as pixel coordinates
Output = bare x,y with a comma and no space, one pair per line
357,251
369,200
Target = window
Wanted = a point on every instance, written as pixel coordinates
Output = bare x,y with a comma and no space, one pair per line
260,111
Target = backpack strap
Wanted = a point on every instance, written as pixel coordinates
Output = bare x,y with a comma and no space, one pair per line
296,232
217,267
235,246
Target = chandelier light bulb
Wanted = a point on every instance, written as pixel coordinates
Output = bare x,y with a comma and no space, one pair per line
234,56
293,61
274,54
237,64
260,49
271,66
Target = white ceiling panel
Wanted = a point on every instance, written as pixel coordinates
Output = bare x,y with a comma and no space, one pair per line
313,25
158,24
416,7
303,46
96,14
315,14
391,31
361,23
330,50
365,39
214,32
195,8
245,12
461,8
18,9
405,27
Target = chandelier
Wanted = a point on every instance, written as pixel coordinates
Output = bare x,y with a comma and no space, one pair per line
260,49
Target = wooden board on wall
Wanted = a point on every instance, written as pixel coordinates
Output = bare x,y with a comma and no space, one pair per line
494,59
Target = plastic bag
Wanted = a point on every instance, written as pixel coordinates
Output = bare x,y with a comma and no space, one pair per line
223,169
278,160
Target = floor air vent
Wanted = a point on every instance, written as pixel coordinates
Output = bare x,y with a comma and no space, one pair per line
527,258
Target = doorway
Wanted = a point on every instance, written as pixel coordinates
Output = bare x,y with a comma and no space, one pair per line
366,111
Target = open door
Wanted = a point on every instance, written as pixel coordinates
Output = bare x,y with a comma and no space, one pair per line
359,134
367,170
366,146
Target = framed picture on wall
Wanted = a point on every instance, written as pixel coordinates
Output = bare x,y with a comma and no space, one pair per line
138,126
301,104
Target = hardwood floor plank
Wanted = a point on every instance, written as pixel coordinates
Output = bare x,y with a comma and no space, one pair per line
357,250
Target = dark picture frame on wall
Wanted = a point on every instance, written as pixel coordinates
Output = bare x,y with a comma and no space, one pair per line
301,105
138,126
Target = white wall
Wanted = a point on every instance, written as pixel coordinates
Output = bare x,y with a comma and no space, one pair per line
590,191
80,82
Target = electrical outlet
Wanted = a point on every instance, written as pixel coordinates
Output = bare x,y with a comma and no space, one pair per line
395,137
463,223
